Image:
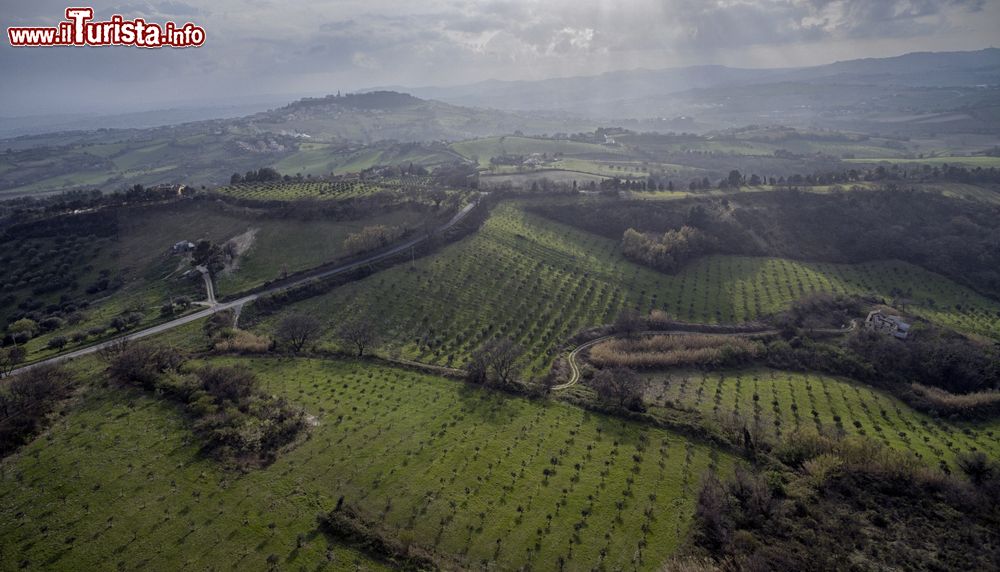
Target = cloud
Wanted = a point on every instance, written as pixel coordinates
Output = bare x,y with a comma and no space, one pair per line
315,46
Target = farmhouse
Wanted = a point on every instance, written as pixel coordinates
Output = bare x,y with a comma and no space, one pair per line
890,325
183,246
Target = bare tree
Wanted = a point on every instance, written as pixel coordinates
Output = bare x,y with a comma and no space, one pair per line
478,368
360,332
620,386
297,329
502,356
628,323
10,358
111,350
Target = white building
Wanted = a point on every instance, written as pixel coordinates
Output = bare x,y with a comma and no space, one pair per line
891,325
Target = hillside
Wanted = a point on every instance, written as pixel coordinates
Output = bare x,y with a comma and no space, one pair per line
904,92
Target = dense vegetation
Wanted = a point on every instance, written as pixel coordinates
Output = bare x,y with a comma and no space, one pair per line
955,238
236,419
849,504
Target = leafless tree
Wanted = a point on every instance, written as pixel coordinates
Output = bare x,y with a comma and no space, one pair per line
360,332
110,351
628,323
502,356
619,386
297,329
478,368
10,358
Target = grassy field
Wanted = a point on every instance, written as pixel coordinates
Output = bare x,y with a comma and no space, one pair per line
968,161
783,402
683,193
539,282
962,191
475,476
299,245
484,149
324,159
524,180
954,190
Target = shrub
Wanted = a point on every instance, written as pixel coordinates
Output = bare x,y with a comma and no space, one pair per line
669,351
242,341
143,364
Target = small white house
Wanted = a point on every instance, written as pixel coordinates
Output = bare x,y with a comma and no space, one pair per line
889,325
183,246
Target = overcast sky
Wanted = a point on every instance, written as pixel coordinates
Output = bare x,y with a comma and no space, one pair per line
274,48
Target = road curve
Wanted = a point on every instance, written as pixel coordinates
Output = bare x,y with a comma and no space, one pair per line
239,302
575,367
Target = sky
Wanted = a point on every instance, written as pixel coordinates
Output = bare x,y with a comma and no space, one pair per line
274,50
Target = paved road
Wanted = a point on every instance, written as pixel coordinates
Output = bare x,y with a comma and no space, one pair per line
238,303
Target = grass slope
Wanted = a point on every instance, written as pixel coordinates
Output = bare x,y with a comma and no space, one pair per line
783,402
119,483
539,282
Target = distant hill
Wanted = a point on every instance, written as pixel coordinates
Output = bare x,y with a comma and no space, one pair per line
337,133
853,93
381,115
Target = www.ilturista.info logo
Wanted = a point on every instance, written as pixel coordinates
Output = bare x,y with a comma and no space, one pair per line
79,30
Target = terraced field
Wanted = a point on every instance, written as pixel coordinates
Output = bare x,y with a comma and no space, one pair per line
781,402
539,282
475,476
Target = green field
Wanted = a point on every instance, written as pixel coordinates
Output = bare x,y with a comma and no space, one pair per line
282,191
539,282
967,161
961,191
324,159
783,402
953,190
118,482
484,149
681,193
291,246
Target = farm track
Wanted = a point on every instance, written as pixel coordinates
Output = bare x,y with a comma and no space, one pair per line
575,367
240,302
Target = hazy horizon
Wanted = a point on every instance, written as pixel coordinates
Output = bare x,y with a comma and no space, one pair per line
266,49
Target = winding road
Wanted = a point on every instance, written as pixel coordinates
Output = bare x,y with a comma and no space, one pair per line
240,302
575,367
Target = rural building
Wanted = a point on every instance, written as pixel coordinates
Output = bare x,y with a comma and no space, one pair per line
890,325
183,246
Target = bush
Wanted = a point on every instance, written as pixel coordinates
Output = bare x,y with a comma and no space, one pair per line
242,341
143,364
236,420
